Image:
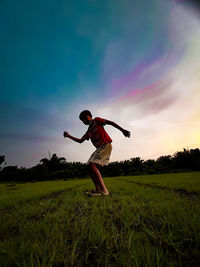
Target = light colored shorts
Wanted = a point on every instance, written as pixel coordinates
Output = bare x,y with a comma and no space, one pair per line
101,155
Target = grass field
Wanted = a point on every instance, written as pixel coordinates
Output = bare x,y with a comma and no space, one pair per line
149,220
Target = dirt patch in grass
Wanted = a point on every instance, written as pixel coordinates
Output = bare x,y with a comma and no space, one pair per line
13,188
52,195
10,232
181,192
10,185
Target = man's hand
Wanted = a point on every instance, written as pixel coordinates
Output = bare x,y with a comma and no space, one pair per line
66,134
126,133
78,140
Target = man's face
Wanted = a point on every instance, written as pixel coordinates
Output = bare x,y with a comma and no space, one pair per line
87,120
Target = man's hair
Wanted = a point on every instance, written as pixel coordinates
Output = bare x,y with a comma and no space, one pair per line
84,113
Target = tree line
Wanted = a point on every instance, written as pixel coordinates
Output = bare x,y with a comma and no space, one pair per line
56,167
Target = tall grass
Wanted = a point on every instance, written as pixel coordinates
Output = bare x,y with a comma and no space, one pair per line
134,226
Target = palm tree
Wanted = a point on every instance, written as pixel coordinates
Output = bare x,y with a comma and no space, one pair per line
54,163
137,163
2,159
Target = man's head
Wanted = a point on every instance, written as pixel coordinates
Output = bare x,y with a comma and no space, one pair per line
85,116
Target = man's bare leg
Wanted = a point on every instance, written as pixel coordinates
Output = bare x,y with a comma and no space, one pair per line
93,178
96,178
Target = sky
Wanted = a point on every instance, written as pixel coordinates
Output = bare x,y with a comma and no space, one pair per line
134,62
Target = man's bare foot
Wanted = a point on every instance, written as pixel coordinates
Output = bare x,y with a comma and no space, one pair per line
92,192
97,193
104,193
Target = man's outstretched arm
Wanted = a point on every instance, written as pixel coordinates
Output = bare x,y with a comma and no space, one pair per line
78,140
125,132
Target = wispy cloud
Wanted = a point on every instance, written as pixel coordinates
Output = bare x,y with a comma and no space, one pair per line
162,115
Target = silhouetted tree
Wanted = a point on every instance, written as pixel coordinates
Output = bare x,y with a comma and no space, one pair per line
9,169
57,168
187,159
2,159
54,163
150,166
164,163
136,165
195,158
